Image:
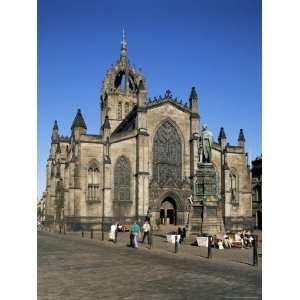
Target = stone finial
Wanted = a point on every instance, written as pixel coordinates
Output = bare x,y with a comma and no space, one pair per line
168,94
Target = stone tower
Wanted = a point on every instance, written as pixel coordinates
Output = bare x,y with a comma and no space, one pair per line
120,88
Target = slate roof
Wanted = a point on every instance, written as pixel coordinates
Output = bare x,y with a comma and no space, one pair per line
128,124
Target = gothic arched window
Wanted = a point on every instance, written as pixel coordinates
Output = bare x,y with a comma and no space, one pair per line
234,187
167,162
93,183
122,179
119,111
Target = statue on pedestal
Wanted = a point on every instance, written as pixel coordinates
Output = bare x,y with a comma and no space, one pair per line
205,145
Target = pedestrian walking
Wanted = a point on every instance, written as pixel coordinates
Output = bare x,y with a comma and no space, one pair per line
183,234
180,234
146,231
134,230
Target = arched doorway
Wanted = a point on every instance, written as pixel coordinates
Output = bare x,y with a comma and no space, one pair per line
168,212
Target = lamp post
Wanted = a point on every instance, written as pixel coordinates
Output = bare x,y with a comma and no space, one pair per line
102,225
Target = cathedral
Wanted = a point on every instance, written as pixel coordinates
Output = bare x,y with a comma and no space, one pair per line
144,163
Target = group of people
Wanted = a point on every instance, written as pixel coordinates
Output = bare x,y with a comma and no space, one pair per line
135,231
245,238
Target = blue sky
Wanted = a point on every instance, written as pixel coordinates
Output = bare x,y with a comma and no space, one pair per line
214,45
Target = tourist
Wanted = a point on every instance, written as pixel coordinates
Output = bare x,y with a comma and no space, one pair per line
134,230
226,241
242,239
112,234
183,234
251,240
220,245
116,232
146,230
179,232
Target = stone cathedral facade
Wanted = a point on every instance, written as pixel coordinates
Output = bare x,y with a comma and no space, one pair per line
143,162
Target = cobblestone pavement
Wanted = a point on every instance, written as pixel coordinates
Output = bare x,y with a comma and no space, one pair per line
160,244
70,267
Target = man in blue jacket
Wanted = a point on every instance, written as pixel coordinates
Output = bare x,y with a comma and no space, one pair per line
134,230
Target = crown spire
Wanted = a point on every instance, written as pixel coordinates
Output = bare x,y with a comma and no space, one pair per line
123,45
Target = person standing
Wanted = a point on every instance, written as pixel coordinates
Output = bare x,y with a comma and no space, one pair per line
113,232
146,230
135,229
183,234
116,232
180,234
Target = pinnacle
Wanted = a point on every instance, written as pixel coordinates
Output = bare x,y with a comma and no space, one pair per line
78,121
193,95
55,125
241,136
222,134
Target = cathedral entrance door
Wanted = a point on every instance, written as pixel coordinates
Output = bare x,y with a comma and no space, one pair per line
168,211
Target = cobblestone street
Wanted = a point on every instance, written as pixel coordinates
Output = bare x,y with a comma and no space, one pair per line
70,267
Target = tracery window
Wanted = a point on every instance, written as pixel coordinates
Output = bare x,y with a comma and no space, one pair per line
167,162
122,180
119,111
93,183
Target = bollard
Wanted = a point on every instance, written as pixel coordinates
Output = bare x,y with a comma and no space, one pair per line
255,251
176,243
82,234
59,229
92,234
150,240
209,253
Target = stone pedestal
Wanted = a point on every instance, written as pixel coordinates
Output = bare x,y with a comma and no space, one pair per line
206,212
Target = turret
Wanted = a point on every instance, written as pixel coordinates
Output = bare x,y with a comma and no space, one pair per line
241,139
193,100
54,137
222,138
141,95
78,126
